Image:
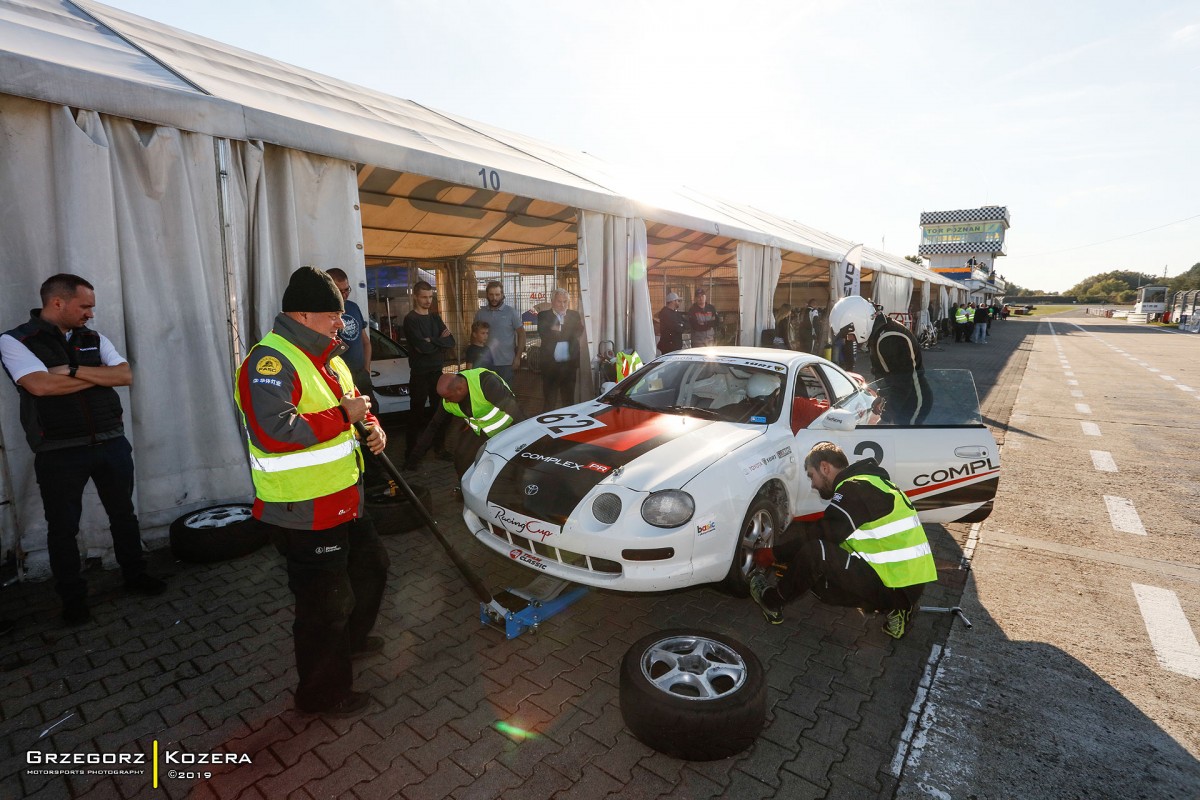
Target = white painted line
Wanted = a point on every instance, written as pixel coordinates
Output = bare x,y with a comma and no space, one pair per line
1102,460
1076,393
1089,428
915,712
1083,408
1123,515
1018,418
1072,383
1166,377
1152,369
1184,388
1175,644
1069,374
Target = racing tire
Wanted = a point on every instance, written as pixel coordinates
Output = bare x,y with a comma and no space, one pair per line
216,533
394,513
759,529
693,695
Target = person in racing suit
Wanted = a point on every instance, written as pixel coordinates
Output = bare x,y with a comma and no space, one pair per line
896,361
298,406
868,551
485,404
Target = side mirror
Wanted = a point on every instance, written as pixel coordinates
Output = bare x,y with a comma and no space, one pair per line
839,419
607,387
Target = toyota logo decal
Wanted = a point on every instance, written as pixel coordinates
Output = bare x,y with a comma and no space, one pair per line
531,489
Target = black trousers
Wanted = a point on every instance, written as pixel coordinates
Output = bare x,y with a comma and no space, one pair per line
62,476
838,578
422,392
337,577
558,384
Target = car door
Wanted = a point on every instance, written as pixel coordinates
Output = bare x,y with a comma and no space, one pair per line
948,464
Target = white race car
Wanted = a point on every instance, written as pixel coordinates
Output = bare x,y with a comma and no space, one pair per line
677,474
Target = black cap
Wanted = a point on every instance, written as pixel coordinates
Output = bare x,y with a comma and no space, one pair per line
311,289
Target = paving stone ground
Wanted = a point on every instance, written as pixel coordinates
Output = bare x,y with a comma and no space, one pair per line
460,712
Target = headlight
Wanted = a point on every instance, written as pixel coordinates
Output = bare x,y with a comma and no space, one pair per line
668,509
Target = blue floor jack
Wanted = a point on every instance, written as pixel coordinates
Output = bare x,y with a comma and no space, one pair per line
512,611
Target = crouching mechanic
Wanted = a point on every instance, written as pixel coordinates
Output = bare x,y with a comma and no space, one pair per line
483,401
298,405
870,551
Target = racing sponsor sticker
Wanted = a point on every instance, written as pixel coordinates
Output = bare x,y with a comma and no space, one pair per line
553,460
517,554
529,527
741,362
594,467
751,468
707,527
268,365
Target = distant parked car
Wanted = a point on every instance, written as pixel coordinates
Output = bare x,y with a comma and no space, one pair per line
389,373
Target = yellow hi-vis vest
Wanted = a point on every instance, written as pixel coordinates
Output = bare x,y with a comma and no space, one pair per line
627,364
316,471
962,316
894,545
486,419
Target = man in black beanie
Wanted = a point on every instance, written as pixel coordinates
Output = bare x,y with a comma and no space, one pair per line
299,405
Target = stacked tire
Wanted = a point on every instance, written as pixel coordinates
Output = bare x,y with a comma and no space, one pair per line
216,533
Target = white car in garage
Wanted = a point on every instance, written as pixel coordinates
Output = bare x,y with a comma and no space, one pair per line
677,474
389,374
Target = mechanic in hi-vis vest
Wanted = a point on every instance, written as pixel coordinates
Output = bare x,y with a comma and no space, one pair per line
299,406
870,551
485,404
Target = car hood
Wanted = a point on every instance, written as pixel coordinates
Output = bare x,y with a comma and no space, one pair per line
642,450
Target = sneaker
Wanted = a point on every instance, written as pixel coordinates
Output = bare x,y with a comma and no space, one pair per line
76,612
351,705
767,597
897,621
146,584
371,646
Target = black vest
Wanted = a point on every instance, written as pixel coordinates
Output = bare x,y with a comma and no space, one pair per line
67,420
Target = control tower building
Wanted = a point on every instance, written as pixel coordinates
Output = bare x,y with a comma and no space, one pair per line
964,244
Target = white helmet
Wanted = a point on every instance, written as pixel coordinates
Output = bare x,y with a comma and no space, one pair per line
856,311
761,384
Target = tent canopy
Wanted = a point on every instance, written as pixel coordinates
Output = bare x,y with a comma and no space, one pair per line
432,184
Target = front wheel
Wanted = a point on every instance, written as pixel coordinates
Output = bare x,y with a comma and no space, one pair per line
758,530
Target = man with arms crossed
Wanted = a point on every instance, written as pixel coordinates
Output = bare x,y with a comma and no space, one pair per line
65,373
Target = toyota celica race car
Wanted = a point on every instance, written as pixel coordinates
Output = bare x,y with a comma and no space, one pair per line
674,476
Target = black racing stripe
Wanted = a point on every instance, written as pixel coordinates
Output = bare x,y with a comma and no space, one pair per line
981,492
564,472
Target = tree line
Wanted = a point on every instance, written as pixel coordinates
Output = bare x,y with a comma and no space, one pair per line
1117,286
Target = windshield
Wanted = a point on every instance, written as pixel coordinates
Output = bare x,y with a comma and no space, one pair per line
730,390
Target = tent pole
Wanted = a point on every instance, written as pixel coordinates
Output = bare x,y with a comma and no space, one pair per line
222,148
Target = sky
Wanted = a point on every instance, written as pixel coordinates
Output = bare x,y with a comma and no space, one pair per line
1081,116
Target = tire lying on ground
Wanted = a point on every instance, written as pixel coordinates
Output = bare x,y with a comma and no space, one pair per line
216,533
394,513
693,695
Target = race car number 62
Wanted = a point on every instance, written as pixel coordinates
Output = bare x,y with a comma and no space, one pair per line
561,423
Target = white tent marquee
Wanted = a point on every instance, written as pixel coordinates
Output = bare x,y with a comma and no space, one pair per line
186,179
